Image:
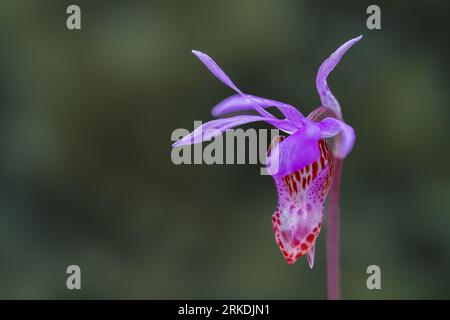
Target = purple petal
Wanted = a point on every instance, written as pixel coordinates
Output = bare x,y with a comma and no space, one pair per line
221,75
214,128
295,152
326,97
239,103
330,127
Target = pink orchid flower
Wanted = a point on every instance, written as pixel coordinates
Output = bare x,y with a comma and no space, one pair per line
301,164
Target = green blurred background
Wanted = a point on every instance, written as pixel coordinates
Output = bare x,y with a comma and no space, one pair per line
86,176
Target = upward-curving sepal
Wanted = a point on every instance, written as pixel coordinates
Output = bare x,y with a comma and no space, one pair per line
326,97
222,76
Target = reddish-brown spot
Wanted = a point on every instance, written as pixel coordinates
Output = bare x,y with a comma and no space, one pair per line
285,235
310,237
315,167
280,244
294,184
289,187
303,246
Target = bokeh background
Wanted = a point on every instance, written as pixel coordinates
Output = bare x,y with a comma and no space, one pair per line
86,176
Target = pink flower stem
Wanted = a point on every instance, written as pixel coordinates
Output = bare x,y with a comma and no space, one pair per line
333,237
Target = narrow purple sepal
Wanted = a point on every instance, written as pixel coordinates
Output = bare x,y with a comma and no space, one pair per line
326,97
214,128
221,75
236,103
